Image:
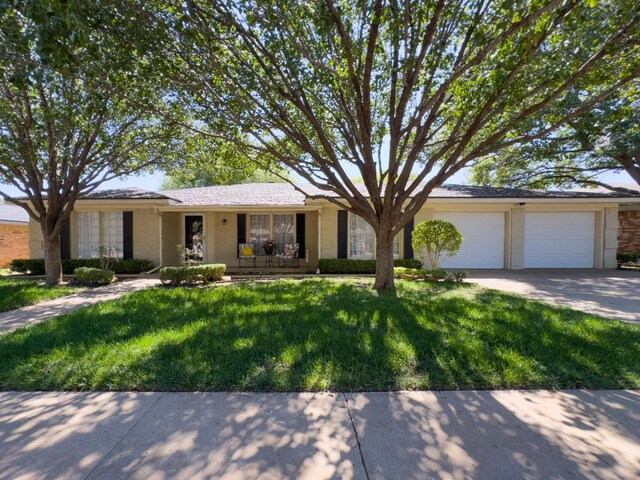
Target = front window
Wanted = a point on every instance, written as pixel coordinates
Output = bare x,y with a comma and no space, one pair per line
283,230
112,234
362,240
278,227
96,229
259,231
88,234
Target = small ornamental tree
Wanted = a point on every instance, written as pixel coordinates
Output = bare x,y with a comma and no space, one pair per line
436,238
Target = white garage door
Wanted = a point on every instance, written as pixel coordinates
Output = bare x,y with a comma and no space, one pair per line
482,240
559,240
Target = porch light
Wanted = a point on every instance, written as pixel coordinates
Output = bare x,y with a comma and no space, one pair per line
224,221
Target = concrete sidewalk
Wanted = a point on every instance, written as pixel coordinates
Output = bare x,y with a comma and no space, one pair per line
501,434
42,311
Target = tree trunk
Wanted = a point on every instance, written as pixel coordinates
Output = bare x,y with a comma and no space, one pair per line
384,264
52,258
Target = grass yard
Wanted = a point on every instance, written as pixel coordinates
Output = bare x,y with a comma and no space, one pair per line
319,335
17,292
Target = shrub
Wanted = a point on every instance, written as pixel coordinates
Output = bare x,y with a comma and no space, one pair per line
434,275
349,265
408,273
437,238
28,265
94,275
193,274
457,277
407,263
69,265
628,257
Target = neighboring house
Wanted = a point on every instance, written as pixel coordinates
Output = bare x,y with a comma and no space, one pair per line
14,234
629,228
502,228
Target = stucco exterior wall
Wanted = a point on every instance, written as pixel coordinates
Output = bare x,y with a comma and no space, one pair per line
629,231
36,243
14,242
146,235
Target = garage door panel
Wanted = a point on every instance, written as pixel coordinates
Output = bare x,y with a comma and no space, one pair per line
482,240
559,239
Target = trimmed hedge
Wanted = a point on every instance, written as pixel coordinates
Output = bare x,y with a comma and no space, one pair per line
94,275
348,265
628,257
69,265
192,275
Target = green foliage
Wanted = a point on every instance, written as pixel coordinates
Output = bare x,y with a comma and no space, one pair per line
193,274
348,265
94,275
28,265
628,257
217,163
605,139
407,262
321,335
36,266
436,238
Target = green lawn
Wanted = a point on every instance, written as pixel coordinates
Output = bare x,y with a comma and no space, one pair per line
318,335
16,293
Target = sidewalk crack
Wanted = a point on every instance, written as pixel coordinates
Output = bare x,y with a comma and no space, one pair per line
355,431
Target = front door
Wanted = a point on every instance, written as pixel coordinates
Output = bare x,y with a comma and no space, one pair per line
194,237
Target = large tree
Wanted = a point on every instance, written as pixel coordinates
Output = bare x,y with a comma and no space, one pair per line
603,140
72,110
212,162
390,87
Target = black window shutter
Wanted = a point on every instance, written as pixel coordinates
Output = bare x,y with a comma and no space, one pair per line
300,227
408,248
65,237
242,230
127,235
342,234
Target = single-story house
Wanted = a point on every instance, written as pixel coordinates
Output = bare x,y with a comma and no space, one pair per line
14,233
503,228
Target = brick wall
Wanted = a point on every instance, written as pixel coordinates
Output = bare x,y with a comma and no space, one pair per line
629,231
14,243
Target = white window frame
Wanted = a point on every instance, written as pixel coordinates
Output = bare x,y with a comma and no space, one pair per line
396,242
88,248
258,250
87,234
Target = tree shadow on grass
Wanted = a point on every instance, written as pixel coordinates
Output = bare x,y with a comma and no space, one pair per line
321,335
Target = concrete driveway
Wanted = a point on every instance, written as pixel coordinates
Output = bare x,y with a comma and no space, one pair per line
608,293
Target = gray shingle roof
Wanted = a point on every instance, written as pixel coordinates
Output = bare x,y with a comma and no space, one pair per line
124,194
249,194
11,213
284,194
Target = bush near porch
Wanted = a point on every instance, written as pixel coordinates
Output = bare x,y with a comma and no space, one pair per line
349,265
35,266
321,334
